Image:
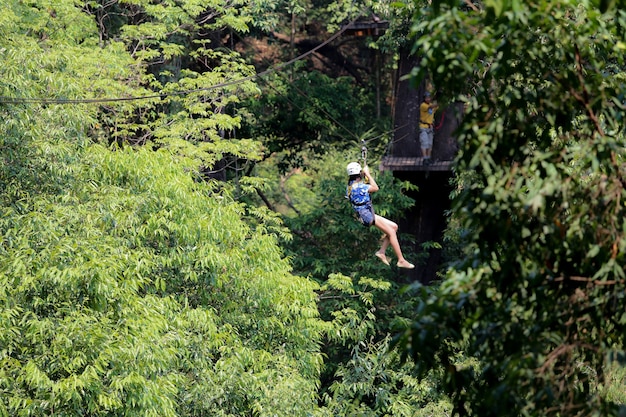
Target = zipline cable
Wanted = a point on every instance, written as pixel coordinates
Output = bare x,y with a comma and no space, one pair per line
278,68
41,100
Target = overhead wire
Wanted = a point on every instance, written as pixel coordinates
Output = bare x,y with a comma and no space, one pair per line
161,95
260,75
306,96
302,93
363,142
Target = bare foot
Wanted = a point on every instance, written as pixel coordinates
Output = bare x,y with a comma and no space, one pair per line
382,257
405,264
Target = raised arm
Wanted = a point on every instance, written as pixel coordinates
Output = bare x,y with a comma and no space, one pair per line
372,182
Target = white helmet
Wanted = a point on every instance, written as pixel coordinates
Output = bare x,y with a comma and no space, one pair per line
353,168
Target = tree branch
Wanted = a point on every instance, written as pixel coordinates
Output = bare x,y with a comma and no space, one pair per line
472,5
283,180
589,280
265,200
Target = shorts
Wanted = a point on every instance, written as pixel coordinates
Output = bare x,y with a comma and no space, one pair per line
426,137
366,215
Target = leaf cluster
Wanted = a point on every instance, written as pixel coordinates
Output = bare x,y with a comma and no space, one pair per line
127,287
538,299
330,228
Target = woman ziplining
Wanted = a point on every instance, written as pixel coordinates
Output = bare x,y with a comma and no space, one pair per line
358,193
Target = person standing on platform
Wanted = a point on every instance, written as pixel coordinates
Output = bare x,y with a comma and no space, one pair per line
427,127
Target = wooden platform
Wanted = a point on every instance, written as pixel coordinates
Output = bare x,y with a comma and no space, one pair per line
374,28
395,163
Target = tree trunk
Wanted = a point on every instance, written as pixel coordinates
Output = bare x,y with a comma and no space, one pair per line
425,221
406,109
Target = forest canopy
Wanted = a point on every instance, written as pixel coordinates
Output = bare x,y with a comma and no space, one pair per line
175,241
538,297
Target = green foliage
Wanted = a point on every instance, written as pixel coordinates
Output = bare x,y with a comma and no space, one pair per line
360,376
308,114
279,15
375,382
196,121
37,140
363,376
329,227
132,299
126,286
398,15
615,381
143,297
539,298
194,83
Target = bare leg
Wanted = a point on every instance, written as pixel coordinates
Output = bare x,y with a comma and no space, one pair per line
390,229
381,253
384,245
